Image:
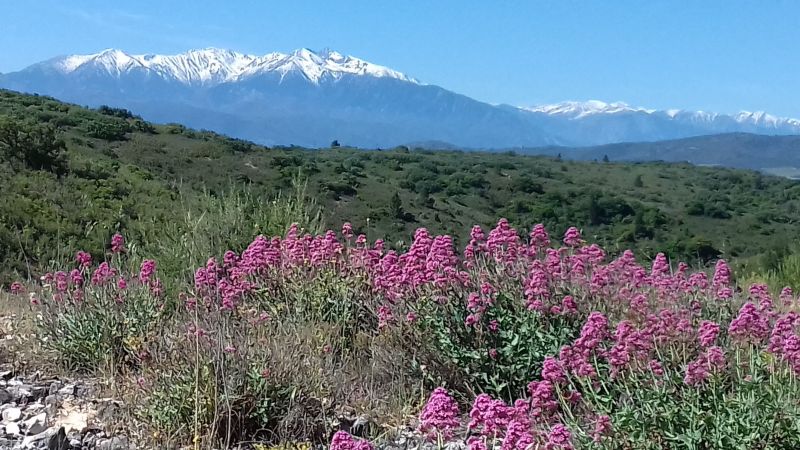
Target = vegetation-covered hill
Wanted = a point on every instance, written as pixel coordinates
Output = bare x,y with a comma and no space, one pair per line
72,176
774,154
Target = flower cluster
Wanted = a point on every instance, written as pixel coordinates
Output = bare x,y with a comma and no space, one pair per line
440,415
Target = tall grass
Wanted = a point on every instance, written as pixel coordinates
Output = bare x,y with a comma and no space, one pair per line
207,225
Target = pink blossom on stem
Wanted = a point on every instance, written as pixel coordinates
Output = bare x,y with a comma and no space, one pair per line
440,414
572,237
117,243
344,441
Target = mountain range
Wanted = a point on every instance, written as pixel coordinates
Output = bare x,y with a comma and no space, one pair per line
312,98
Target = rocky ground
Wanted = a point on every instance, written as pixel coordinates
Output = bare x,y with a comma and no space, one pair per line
46,413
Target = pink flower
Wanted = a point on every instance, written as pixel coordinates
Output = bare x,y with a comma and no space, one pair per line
122,284
708,332
708,363
489,417
656,368
440,414
347,230
16,288
722,275
344,441
602,427
146,271
117,243
553,371
476,443
83,259
559,438
539,237
751,325
572,238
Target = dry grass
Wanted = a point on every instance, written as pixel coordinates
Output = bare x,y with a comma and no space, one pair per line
21,349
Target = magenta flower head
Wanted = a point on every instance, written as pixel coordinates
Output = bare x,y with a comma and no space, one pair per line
117,243
488,417
559,438
440,414
722,274
707,332
539,237
602,427
16,288
787,296
147,270
572,238
83,259
347,230
553,371
344,441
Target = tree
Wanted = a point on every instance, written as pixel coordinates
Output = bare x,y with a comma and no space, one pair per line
335,144
605,158
637,182
396,207
35,146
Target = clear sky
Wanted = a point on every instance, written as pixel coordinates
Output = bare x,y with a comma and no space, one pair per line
722,56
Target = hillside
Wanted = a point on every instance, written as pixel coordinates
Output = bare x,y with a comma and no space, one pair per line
119,172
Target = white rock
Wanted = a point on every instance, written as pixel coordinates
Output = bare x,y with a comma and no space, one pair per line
12,429
12,414
36,424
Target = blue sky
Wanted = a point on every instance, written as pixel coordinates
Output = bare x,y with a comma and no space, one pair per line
721,56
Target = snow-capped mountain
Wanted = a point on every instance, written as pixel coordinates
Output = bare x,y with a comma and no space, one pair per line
579,110
311,98
213,66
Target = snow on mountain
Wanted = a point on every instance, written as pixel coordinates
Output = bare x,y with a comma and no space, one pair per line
213,66
577,110
580,110
763,119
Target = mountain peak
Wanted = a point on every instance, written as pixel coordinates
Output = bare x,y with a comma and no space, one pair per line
577,110
208,66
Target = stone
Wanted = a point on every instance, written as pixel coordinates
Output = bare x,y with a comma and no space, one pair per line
115,443
361,426
73,420
69,389
36,424
54,388
39,440
12,429
12,414
5,397
20,393
58,441
90,440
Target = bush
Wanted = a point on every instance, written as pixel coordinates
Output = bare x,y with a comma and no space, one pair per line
100,317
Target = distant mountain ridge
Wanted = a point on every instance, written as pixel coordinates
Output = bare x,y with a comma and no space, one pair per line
738,150
312,98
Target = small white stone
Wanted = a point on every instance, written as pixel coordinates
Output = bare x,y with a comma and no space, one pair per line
12,429
36,424
12,414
